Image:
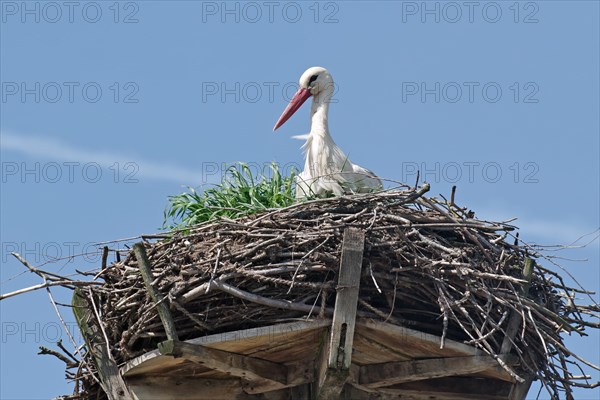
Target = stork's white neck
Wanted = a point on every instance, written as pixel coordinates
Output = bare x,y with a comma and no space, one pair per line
319,112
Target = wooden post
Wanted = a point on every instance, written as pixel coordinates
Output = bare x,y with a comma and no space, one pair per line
162,308
111,380
339,348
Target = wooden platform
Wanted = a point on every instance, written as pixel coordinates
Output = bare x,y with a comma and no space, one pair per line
285,361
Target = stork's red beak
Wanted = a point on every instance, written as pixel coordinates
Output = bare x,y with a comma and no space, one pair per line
297,101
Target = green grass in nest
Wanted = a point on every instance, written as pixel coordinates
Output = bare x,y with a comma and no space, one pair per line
239,194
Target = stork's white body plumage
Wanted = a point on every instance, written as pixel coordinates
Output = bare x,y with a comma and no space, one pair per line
327,169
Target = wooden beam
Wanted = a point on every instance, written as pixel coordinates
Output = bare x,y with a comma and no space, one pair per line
262,375
339,349
392,373
161,307
111,380
344,314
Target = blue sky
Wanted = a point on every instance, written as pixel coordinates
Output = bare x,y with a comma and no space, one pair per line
107,109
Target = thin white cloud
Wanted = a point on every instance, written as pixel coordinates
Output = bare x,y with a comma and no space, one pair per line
56,150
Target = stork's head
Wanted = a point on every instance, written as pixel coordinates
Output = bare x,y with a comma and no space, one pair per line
313,81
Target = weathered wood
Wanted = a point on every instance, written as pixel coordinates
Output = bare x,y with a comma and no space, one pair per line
262,375
161,307
339,355
387,374
515,319
344,314
111,380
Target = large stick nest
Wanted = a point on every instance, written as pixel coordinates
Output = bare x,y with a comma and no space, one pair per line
428,265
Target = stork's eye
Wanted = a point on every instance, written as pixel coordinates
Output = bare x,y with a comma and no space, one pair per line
312,79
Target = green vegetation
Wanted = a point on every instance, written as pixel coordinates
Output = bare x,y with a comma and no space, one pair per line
239,194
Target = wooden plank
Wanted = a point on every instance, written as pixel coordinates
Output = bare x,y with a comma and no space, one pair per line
392,373
111,380
161,307
344,314
263,375
339,349
186,388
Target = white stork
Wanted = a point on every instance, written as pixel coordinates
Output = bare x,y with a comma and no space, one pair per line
327,170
